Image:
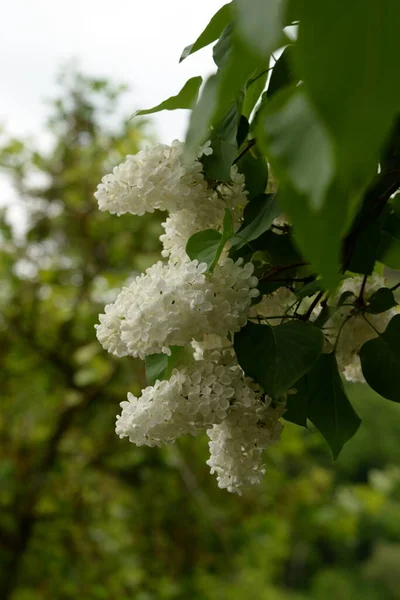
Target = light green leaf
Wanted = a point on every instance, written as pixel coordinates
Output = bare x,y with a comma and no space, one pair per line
277,357
204,245
201,116
298,145
212,32
160,366
186,98
207,245
329,408
319,234
223,48
254,89
347,53
260,24
380,361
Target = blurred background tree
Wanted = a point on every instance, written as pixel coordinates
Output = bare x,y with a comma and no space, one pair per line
86,515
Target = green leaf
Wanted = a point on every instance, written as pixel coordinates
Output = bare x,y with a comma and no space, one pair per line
282,74
329,408
218,165
204,246
366,249
243,130
255,170
347,54
277,357
212,32
254,89
319,234
238,68
207,245
298,145
160,366
380,361
346,298
381,301
258,217
325,314
389,248
297,404
223,48
309,289
186,98
260,25
201,116
227,226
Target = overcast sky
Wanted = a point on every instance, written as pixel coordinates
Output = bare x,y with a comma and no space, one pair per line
137,42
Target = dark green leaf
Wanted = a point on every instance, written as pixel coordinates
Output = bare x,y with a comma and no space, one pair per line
380,361
255,170
381,301
279,249
389,248
282,73
325,314
242,131
297,404
186,98
260,25
212,32
276,357
329,408
366,249
346,298
218,165
396,205
347,53
160,366
258,217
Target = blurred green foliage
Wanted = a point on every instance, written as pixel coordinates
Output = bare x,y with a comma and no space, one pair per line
86,515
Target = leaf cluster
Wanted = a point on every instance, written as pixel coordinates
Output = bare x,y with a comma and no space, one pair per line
304,101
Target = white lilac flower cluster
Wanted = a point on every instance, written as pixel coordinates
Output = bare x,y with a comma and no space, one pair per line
159,178
172,304
180,304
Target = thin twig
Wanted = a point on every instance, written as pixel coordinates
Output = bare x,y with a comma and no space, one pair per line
360,299
395,287
313,304
250,144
